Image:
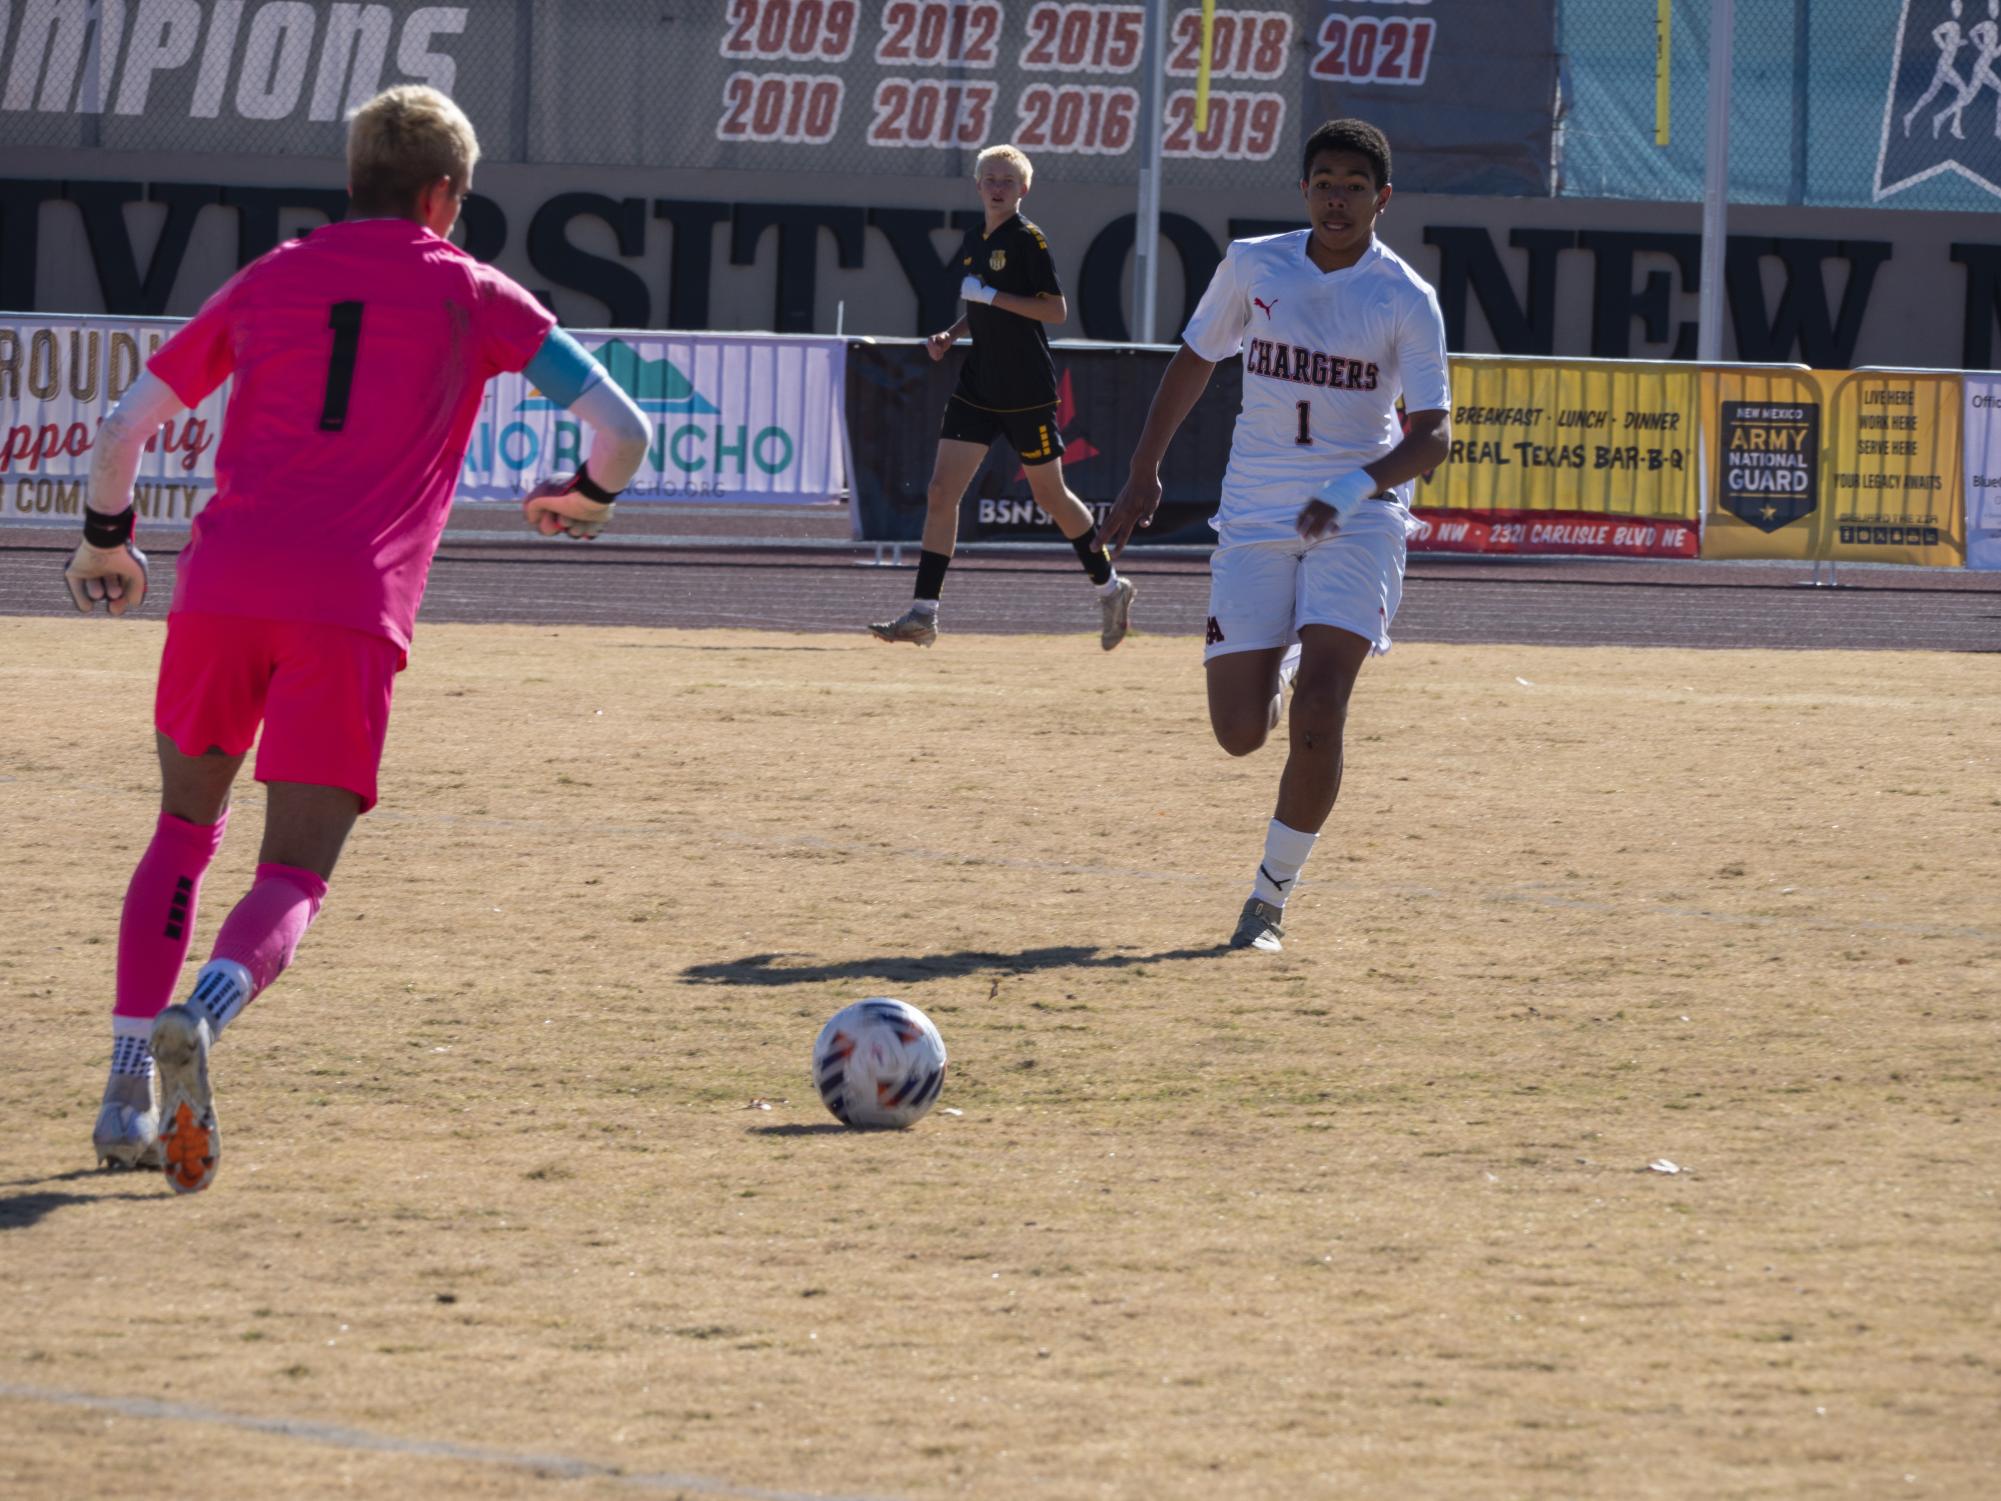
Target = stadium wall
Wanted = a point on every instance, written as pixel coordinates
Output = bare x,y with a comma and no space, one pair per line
153,233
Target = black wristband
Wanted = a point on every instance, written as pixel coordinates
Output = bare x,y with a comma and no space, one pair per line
100,530
584,485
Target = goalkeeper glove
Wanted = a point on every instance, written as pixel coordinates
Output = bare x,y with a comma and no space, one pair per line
106,567
578,506
975,290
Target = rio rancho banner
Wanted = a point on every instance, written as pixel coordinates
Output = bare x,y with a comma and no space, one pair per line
1835,466
744,417
1571,457
735,417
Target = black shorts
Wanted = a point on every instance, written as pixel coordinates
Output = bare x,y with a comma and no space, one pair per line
1033,433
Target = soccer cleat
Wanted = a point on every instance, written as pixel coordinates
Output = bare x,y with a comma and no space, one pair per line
190,1144
913,625
1258,927
128,1123
1118,608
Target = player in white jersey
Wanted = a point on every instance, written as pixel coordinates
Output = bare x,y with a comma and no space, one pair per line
1333,327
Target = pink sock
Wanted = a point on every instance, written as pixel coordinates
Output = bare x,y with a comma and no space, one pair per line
262,931
159,918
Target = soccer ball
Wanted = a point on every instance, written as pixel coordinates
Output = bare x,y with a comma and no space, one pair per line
879,1062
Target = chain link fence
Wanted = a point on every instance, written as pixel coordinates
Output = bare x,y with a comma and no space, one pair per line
1833,102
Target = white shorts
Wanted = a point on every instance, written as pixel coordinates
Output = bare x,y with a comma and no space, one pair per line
1261,593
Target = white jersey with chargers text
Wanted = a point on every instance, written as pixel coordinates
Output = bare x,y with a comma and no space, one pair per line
1326,353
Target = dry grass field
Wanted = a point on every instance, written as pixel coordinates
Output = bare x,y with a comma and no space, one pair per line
497,1215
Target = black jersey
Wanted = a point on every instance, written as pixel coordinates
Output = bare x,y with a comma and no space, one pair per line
1009,368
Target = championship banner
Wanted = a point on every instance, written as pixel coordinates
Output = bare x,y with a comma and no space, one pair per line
1983,470
735,417
1566,457
59,379
1465,88
896,401
1829,466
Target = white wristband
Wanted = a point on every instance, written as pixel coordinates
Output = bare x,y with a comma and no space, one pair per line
1346,493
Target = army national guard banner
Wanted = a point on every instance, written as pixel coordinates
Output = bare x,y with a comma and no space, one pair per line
1834,465
1566,456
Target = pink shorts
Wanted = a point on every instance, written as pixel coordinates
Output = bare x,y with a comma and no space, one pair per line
322,692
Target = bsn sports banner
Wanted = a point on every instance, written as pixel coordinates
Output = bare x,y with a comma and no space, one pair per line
59,379
896,402
736,417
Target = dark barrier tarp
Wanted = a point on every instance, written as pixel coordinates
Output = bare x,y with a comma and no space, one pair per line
1464,89
896,398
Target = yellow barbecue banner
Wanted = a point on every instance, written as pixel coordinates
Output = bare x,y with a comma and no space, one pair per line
1572,456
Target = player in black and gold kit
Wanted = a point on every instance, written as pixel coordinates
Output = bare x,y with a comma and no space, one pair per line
1007,388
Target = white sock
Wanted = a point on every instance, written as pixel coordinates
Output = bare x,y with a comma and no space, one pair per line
129,1051
222,989
1286,850
925,606
1109,587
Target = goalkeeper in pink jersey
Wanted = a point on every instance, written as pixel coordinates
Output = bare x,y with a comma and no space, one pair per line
360,353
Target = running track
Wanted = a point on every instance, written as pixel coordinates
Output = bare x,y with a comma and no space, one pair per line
796,571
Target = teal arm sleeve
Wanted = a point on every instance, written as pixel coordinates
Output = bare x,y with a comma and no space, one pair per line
562,369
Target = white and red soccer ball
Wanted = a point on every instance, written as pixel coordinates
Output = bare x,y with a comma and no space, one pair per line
879,1062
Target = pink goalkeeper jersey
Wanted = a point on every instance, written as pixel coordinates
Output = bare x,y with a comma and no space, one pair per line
360,353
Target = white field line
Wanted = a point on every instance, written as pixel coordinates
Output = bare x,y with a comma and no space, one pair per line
1530,894
362,1440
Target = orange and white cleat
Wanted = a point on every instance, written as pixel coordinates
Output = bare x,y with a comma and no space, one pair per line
190,1144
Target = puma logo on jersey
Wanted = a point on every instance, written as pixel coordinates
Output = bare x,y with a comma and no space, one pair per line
1267,306
1215,633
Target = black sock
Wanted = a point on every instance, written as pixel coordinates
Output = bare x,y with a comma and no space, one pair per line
1097,562
931,568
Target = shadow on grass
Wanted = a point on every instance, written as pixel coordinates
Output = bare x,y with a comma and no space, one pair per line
825,1128
771,969
20,1210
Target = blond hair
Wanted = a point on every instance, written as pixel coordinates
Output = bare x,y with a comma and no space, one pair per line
1012,155
402,140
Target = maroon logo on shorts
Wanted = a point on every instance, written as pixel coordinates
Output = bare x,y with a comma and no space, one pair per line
1215,632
